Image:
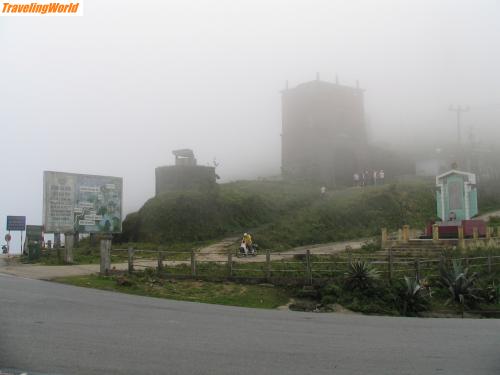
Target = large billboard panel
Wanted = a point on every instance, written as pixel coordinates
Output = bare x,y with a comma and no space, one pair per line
16,222
81,203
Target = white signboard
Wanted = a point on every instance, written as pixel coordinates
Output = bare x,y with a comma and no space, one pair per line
81,203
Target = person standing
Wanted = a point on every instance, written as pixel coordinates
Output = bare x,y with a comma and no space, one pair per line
355,179
381,176
374,177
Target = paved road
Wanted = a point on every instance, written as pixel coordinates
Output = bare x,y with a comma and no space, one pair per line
60,329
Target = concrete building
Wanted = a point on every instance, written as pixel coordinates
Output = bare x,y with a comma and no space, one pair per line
324,136
184,175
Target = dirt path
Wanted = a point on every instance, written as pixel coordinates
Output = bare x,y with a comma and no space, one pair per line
218,251
487,216
43,272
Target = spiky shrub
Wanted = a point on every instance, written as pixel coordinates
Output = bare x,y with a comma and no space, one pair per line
360,275
412,297
460,282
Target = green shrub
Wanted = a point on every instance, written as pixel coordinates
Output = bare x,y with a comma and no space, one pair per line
378,299
328,300
332,289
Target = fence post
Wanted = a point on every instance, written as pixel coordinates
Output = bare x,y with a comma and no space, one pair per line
308,267
417,269
160,261
383,239
230,263
442,263
461,240
389,253
130,259
193,263
488,232
435,233
69,241
475,233
268,265
406,233
489,262
105,255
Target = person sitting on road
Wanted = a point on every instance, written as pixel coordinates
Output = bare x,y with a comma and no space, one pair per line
247,238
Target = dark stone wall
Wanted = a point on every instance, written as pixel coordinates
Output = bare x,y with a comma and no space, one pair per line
180,177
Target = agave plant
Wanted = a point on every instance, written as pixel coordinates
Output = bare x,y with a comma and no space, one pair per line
360,275
412,298
460,282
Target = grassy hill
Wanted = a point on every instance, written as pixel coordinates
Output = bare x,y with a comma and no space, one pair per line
279,214
352,213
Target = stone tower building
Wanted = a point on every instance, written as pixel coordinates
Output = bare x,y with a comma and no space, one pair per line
323,132
184,175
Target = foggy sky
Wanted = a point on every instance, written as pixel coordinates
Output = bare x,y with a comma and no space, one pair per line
115,91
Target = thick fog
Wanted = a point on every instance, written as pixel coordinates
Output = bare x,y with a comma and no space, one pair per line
115,91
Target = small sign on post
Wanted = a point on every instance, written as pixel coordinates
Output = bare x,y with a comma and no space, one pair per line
16,223
8,237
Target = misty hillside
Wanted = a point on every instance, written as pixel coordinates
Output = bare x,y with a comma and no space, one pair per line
279,214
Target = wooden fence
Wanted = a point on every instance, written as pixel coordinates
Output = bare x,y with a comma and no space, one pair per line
274,267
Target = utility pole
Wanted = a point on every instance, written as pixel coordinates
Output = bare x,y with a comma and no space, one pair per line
459,111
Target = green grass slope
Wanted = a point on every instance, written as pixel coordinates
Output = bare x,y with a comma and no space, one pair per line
204,215
280,214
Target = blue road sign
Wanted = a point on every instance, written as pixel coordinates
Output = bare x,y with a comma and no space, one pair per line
16,222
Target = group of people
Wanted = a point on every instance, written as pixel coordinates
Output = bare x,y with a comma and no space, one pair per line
369,177
246,246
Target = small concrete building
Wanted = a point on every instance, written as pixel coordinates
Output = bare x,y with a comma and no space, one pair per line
456,196
184,175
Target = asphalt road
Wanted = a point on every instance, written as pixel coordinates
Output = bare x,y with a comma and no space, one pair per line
59,329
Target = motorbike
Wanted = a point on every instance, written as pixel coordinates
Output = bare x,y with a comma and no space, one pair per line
243,252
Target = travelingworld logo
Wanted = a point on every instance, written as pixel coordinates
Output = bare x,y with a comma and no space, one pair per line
42,8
